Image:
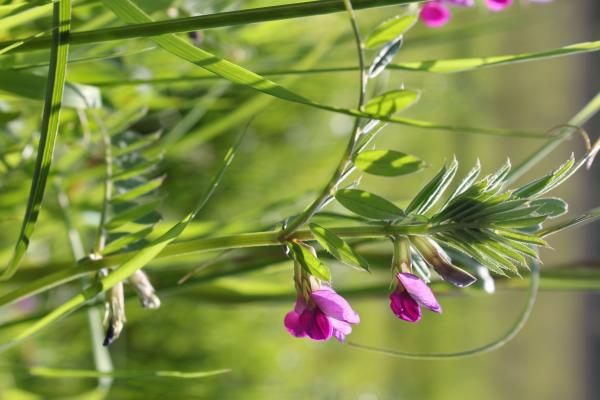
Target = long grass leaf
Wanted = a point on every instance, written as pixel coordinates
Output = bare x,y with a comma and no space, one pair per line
49,130
232,18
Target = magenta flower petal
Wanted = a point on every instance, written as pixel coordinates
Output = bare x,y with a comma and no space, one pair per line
299,307
404,306
419,291
340,329
292,324
498,5
434,14
334,305
316,324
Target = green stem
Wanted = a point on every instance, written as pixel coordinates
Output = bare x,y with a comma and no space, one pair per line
102,359
242,17
108,185
345,162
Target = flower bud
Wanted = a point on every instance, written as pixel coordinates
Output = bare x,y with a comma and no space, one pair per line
115,314
144,289
437,258
402,260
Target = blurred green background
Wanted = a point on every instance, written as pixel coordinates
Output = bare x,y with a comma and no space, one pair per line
290,152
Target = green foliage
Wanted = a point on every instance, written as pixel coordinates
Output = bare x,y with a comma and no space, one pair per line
130,145
390,30
338,247
392,102
368,205
308,260
49,131
387,162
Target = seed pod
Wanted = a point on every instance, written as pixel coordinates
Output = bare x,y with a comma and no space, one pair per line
437,258
144,289
115,314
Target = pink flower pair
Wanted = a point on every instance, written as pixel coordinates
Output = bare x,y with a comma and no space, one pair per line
326,314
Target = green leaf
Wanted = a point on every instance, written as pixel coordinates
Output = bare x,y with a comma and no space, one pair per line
520,222
389,30
305,255
337,247
120,240
144,187
385,57
391,102
551,207
61,22
31,86
132,213
522,237
388,163
466,183
368,205
545,183
431,193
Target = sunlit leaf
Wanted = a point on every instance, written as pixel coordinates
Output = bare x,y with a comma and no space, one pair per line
385,57
388,163
337,247
368,205
306,256
551,207
391,102
390,30
431,192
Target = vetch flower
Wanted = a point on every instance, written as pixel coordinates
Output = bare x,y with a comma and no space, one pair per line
498,5
321,315
410,294
434,14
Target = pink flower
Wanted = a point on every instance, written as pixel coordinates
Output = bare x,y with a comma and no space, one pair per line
498,5
326,314
410,295
434,14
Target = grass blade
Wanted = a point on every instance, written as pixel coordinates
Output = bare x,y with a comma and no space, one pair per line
49,130
242,17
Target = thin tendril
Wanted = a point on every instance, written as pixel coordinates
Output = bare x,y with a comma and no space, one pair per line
496,344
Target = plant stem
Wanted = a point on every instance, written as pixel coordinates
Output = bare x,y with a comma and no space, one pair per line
102,359
177,25
344,164
108,185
